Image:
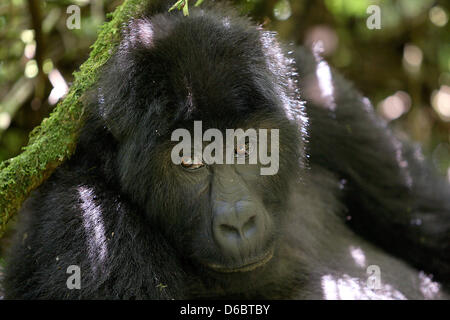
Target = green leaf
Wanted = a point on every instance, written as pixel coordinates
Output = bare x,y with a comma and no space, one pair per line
199,2
186,8
177,5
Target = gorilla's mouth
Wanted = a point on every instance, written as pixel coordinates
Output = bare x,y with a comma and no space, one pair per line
260,261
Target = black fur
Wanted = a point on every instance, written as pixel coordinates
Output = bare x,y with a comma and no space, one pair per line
137,225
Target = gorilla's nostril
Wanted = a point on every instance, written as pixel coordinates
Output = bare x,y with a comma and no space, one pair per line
249,228
229,231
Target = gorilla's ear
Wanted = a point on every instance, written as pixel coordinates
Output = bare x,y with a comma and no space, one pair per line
94,110
89,100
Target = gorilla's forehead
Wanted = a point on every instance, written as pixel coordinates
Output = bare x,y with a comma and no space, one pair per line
256,120
201,75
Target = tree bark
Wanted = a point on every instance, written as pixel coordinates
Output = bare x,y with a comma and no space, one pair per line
54,141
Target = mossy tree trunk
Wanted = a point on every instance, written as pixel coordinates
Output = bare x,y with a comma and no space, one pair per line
55,139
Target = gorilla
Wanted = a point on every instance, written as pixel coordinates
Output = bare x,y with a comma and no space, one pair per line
351,212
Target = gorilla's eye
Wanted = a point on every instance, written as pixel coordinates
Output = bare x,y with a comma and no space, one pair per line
187,163
244,149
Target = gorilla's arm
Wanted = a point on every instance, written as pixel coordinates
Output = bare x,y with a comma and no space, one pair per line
393,196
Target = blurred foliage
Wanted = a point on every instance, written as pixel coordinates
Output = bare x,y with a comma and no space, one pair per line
403,67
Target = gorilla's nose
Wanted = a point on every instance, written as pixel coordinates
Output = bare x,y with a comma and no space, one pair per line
237,227
240,229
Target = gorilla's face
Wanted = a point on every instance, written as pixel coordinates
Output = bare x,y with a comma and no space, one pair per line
225,217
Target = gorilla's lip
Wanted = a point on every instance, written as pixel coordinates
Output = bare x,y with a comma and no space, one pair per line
246,267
